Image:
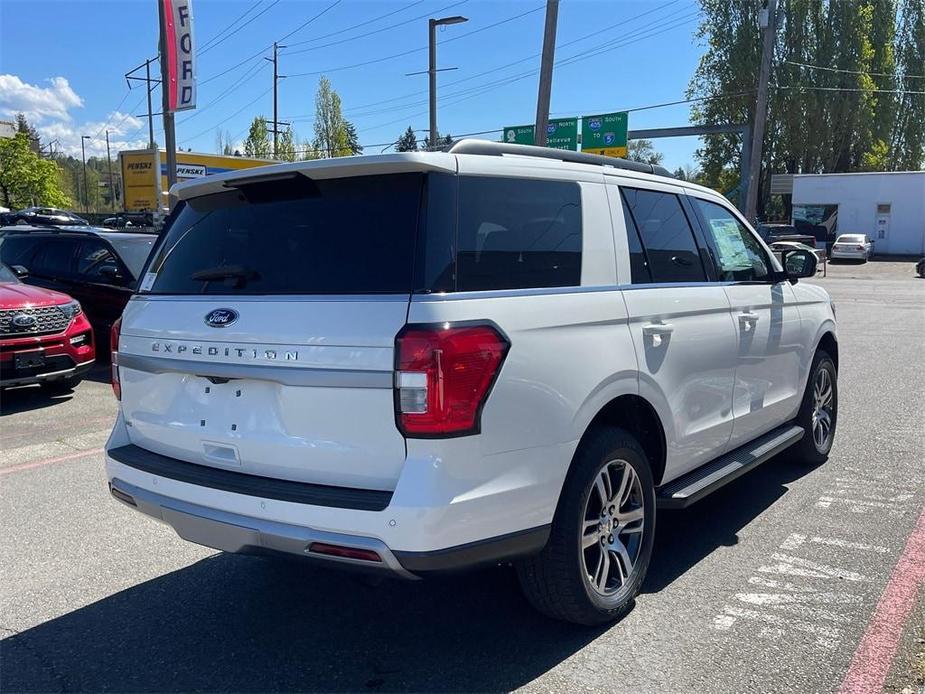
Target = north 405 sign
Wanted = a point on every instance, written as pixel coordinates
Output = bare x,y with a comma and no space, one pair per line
605,134
561,133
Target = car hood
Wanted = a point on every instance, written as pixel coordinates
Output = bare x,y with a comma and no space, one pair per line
22,295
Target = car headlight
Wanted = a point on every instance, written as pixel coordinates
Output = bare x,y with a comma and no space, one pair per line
71,309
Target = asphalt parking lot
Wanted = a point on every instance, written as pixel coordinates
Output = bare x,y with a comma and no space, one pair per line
780,582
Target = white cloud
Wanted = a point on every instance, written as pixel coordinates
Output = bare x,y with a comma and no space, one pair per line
48,110
37,103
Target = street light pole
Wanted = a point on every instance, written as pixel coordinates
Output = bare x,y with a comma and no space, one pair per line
432,25
83,158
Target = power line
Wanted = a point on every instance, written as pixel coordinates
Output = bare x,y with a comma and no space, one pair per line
225,120
371,33
247,76
846,89
855,72
219,38
357,26
309,21
113,112
415,50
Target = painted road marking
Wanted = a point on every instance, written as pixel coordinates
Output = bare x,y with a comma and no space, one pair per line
49,461
874,656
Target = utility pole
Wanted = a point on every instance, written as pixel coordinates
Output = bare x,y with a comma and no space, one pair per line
112,190
129,77
83,158
768,22
432,71
151,143
546,65
170,136
276,78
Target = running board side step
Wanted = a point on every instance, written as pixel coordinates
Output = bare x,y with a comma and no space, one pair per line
706,479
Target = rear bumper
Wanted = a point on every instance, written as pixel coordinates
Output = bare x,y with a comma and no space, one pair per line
838,254
231,532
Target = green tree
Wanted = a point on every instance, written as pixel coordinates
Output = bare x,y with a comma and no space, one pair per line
408,142
257,143
642,150
830,105
25,178
334,136
285,147
442,141
22,126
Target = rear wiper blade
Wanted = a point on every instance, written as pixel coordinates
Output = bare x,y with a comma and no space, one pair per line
226,272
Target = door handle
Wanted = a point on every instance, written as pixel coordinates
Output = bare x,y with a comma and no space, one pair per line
657,332
747,321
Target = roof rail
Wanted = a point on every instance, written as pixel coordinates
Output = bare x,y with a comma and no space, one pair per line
486,147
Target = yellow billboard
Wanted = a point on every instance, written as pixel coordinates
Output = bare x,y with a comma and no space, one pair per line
144,174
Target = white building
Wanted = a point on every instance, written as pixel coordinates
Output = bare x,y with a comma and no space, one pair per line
888,207
7,128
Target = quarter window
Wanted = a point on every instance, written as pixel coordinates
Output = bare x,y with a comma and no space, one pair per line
666,236
517,233
738,255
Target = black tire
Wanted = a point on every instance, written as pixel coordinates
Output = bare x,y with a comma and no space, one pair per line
556,581
60,386
808,449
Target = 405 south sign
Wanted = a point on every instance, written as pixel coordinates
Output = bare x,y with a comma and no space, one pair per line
177,16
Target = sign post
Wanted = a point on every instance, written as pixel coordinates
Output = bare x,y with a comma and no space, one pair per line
605,134
178,70
561,133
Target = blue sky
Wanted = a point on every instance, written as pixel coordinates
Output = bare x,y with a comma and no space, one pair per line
617,54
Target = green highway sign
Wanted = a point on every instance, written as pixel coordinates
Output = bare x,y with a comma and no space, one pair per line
605,134
561,133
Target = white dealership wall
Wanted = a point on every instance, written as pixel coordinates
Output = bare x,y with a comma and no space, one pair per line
858,195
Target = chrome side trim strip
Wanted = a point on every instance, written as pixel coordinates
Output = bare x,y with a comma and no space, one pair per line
555,291
285,375
232,532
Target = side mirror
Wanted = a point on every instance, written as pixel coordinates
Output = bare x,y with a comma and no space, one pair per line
798,263
111,273
20,271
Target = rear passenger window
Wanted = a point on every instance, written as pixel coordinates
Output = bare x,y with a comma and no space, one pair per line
517,233
55,258
666,236
639,265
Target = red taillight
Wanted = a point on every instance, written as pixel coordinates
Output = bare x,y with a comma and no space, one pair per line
443,377
114,353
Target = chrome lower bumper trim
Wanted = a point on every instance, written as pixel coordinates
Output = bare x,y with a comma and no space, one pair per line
232,532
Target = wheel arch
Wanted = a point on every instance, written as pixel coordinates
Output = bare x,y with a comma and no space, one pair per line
828,342
637,416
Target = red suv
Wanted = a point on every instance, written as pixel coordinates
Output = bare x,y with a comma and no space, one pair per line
44,336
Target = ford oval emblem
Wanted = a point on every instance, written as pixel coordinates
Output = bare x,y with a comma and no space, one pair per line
221,317
23,320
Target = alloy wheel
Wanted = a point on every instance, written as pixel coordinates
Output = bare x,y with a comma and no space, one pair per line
612,527
823,409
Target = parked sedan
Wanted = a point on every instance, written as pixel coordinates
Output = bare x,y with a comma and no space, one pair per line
44,336
46,216
852,247
99,268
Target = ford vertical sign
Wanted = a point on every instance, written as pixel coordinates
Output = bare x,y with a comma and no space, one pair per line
181,62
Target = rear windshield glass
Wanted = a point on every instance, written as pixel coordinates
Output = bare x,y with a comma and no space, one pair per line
133,251
294,236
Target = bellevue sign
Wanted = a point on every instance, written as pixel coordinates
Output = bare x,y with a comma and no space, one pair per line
604,134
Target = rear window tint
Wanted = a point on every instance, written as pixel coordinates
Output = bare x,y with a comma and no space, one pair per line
666,235
517,233
295,236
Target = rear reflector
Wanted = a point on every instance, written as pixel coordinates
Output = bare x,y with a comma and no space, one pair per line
443,376
122,496
344,552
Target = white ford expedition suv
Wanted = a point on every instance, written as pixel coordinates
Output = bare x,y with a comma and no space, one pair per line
421,362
